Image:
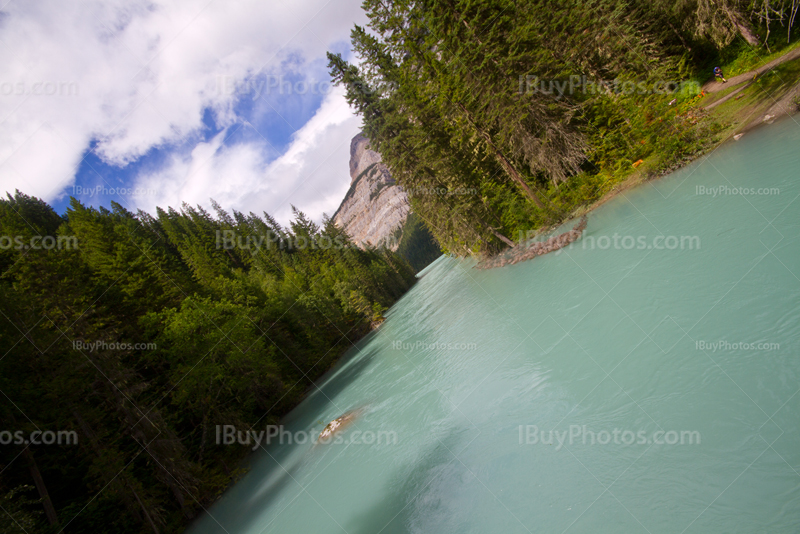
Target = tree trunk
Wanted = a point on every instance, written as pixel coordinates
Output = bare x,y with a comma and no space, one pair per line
502,238
144,509
501,158
512,172
203,440
748,34
49,509
795,6
742,27
84,426
677,33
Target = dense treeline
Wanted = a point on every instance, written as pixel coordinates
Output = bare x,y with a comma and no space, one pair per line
140,334
417,245
536,106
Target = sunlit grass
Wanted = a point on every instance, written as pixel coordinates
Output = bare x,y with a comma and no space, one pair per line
750,58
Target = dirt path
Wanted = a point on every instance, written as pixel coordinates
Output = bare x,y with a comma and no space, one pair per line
713,86
728,97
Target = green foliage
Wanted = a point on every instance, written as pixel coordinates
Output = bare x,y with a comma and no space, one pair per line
22,511
152,331
417,245
451,95
196,319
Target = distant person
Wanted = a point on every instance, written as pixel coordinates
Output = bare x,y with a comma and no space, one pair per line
718,74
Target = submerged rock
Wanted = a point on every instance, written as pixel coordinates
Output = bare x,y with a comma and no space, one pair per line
337,425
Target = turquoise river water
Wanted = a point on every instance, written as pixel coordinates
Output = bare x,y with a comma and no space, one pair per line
646,382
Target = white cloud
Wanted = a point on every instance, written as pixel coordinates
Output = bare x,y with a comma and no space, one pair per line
144,72
312,174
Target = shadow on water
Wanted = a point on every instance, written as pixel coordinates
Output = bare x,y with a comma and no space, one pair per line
403,507
252,496
331,384
272,470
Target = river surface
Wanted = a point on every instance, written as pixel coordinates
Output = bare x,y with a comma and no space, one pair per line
665,362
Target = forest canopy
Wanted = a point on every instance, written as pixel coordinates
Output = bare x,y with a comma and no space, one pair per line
538,106
140,334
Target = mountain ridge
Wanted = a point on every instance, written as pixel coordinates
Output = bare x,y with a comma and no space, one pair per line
376,211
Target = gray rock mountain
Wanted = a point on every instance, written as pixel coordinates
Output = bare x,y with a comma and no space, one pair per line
375,209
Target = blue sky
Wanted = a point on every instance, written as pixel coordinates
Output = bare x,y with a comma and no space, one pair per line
154,103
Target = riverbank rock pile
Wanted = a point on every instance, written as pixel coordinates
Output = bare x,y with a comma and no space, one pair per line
531,249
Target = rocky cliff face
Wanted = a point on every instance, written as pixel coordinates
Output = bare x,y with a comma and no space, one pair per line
374,210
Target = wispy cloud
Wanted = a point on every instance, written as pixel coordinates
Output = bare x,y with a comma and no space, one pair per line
128,77
312,174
